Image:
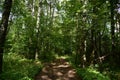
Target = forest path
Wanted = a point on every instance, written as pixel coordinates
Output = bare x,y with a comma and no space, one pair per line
60,69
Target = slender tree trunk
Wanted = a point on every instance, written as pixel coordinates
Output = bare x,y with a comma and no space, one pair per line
93,38
3,28
30,39
33,9
77,41
92,43
113,60
38,30
112,25
52,9
99,46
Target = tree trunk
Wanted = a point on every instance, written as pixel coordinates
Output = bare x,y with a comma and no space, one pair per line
112,6
3,28
112,25
77,40
38,30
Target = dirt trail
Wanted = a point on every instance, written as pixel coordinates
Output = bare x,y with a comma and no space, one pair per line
58,70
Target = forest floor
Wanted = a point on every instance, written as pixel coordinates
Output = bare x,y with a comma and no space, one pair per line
59,69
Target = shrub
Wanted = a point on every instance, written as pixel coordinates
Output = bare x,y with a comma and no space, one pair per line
16,67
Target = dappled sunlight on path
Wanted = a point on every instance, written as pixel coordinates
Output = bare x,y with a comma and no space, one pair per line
58,70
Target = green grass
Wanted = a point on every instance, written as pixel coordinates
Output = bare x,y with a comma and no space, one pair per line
16,67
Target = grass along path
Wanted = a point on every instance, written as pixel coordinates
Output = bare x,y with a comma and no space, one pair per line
60,69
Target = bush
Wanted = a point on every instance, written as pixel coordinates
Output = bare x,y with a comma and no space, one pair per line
88,73
91,74
16,67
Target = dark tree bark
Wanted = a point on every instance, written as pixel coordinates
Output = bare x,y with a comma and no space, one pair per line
112,25
3,28
92,50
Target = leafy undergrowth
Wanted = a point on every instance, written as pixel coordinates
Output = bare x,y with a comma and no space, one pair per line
92,73
113,74
17,67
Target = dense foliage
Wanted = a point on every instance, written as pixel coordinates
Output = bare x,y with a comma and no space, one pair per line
88,31
20,68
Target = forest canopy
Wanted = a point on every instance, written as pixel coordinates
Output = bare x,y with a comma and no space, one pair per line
86,31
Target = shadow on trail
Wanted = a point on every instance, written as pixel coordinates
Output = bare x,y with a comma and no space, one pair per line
57,70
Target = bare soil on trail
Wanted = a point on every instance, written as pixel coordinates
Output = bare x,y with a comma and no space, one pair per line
60,69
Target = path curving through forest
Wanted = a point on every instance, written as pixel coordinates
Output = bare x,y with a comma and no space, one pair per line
60,69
